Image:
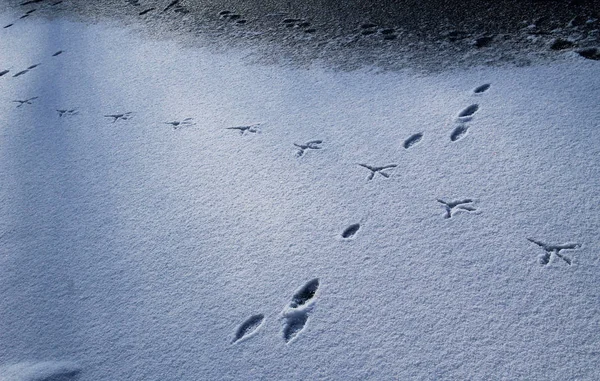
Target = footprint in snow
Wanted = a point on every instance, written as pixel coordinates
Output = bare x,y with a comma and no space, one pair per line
298,23
145,11
25,102
467,113
453,207
482,89
116,117
553,251
295,316
64,112
412,140
228,15
26,70
180,124
459,132
378,170
250,129
312,144
248,328
350,231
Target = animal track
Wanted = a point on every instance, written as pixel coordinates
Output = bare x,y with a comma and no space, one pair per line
459,132
63,113
171,5
252,128
26,70
123,116
180,124
248,327
375,170
25,102
414,139
554,250
147,11
305,294
468,112
298,23
313,144
350,231
295,316
228,15
388,34
295,321
482,88
452,207
368,28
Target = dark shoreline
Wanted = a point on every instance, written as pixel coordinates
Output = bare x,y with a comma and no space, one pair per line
422,35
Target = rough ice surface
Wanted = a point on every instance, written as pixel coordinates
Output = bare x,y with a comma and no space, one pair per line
136,249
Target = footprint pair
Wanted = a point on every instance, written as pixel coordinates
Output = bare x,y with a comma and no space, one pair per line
466,115
294,316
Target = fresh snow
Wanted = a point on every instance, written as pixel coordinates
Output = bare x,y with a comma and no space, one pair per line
141,238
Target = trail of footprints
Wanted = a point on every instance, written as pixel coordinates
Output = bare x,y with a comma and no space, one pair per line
451,208
294,316
30,11
3,72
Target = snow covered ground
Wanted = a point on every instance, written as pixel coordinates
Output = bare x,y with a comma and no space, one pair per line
132,248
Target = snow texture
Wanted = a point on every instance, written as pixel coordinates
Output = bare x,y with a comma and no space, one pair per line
41,371
396,250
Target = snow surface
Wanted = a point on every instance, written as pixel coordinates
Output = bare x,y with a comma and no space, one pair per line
132,249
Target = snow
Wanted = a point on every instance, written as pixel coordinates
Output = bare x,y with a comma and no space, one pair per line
133,250
48,370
